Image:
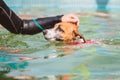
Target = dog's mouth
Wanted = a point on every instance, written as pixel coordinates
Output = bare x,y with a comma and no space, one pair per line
80,40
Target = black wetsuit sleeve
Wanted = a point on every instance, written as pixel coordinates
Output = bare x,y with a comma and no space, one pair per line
14,24
29,27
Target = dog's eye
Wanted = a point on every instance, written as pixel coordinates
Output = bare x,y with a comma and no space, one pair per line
60,29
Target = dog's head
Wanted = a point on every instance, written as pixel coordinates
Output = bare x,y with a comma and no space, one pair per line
63,31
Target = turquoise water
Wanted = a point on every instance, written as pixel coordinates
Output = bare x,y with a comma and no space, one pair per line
59,61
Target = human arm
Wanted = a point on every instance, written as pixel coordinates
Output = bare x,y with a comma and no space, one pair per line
14,24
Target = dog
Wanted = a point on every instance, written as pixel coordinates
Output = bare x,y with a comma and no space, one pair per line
63,31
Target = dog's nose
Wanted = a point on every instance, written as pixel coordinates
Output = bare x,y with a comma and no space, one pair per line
45,32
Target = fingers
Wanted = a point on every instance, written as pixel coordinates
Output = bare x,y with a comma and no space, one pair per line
71,18
74,21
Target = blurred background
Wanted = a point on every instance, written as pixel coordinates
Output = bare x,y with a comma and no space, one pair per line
53,7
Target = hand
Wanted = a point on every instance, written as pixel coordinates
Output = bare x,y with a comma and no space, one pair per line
71,18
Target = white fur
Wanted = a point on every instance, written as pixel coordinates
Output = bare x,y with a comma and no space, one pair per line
50,35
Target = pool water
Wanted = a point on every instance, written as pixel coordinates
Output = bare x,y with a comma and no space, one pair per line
60,61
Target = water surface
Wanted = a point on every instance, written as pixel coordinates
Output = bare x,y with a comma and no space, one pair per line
59,61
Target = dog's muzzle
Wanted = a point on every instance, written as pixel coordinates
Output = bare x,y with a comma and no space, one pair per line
51,35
